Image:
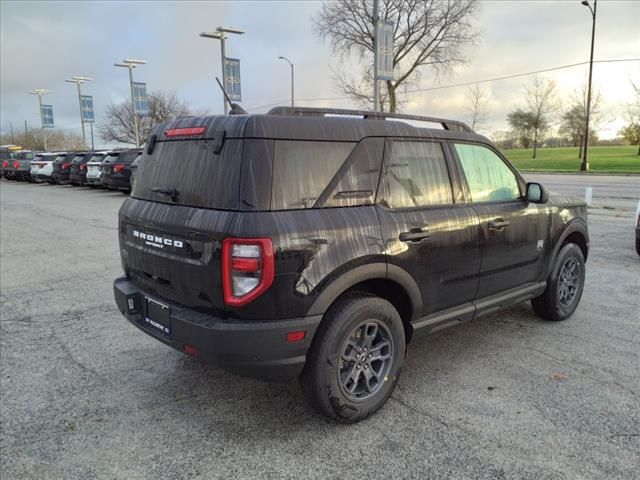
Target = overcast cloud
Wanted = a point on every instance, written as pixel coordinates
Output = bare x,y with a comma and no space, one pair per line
42,43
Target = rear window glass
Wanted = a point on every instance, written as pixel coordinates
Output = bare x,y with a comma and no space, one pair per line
189,172
302,170
96,158
60,158
111,158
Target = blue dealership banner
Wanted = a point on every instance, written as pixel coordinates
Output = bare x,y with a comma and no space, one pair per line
232,79
140,99
384,41
86,102
47,116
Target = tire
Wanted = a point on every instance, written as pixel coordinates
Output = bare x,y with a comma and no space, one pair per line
638,245
328,378
564,286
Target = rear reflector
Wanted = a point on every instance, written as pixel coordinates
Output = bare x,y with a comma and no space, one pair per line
296,336
191,350
184,132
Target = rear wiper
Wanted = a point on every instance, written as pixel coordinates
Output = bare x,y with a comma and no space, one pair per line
172,193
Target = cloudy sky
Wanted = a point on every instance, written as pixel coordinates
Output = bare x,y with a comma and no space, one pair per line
42,43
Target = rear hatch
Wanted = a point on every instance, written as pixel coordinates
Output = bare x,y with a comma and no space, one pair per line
182,206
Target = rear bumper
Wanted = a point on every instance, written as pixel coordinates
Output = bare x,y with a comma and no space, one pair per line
117,182
60,178
251,348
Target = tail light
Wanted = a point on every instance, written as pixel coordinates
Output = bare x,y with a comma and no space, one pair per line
65,166
83,166
42,165
5,164
117,167
16,164
247,269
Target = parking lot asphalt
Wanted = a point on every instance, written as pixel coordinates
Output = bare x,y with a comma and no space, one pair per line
83,394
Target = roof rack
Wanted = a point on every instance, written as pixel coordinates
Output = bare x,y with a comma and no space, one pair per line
312,111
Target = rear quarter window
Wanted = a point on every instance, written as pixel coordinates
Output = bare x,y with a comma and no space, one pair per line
302,170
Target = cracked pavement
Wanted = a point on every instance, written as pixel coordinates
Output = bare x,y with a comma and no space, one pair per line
85,395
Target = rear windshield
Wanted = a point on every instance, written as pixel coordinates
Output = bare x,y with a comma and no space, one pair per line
190,172
111,158
97,158
127,157
61,158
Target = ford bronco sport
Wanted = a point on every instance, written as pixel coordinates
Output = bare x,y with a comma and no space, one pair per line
318,244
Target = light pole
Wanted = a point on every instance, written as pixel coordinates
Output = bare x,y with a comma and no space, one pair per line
39,92
291,65
79,80
131,64
584,166
219,34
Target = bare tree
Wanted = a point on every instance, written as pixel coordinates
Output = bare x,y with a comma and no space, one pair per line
574,119
57,140
427,33
119,126
478,102
631,131
542,101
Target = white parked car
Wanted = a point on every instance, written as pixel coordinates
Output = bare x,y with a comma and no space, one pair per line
93,169
42,167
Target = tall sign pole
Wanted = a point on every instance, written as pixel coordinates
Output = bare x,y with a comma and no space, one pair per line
376,92
584,166
39,92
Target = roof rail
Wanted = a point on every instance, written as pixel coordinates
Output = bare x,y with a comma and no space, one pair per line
312,111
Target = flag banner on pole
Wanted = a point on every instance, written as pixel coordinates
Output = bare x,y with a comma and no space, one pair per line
86,102
47,116
140,99
384,40
232,78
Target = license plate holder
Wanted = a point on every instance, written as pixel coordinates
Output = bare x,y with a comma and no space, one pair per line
158,316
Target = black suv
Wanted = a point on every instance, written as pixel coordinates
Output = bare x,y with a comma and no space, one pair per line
302,244
116,169
78,168
62,167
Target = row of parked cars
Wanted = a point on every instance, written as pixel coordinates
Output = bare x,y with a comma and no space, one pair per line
113,169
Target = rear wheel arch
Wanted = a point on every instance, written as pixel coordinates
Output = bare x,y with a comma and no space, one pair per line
389,282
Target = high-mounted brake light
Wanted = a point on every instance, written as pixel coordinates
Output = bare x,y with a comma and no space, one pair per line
117,167
184,132
247,269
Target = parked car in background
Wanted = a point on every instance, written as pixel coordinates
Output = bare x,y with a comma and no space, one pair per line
19,167
6,156
116,169
62,167
134,169
78,169
93,169
42,167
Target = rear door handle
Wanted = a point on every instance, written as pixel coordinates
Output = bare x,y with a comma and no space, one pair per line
498,224
414,235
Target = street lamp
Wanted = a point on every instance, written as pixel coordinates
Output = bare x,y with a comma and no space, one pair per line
584,166
40,92
79,80
291,65
219,34
131,63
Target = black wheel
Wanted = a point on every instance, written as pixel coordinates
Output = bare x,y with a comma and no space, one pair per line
638,246
564,286
356,358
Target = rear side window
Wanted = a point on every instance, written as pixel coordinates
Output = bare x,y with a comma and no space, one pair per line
302,170
488,176
417,175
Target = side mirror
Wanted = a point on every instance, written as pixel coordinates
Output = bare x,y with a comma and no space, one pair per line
536,193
